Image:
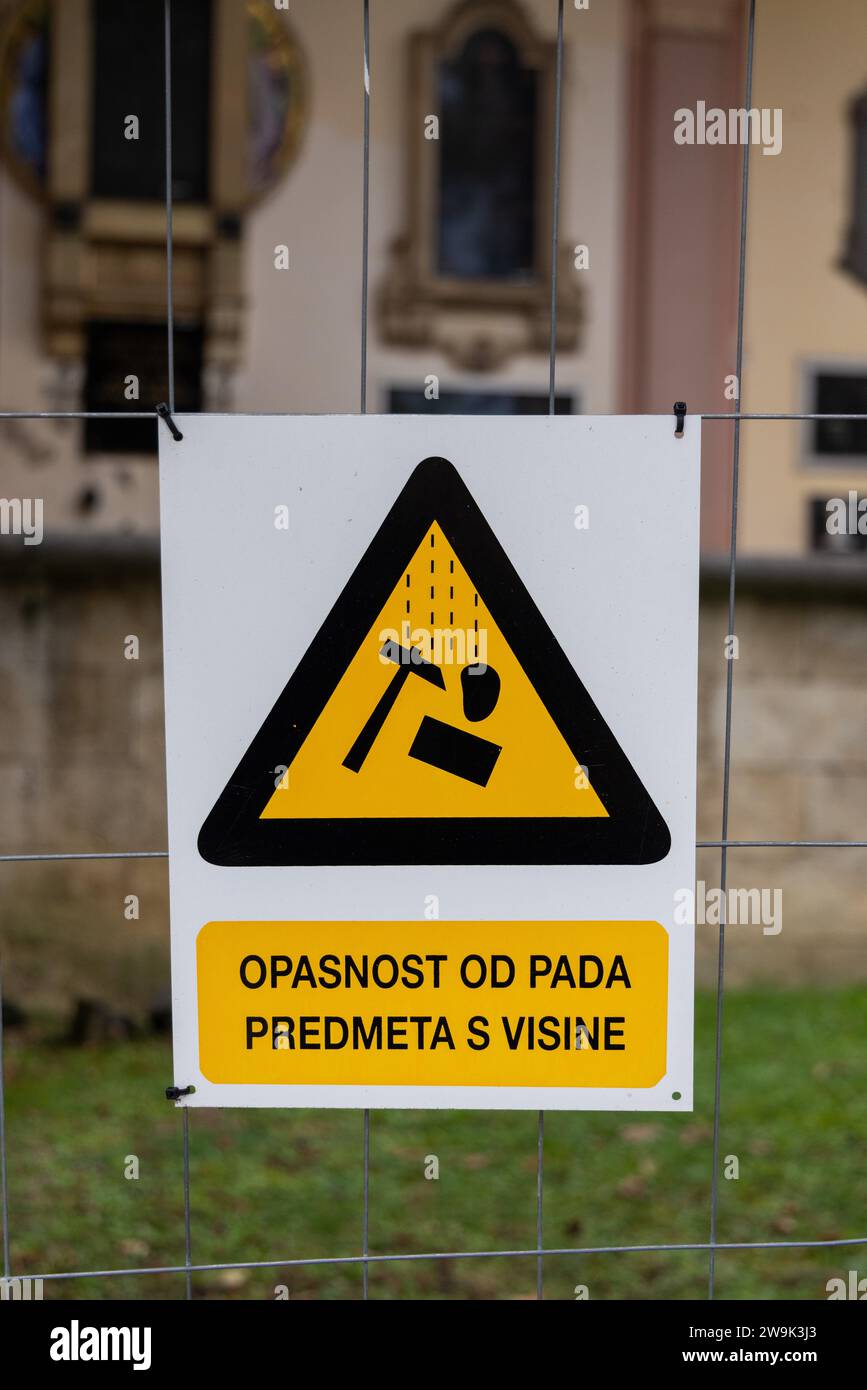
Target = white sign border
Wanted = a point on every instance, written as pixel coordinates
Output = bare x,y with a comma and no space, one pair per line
648,513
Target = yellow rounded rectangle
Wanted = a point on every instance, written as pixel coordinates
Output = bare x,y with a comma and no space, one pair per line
433,1003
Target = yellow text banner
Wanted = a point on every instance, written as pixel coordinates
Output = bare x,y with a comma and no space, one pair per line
558,1004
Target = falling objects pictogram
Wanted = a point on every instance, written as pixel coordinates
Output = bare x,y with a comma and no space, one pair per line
434,719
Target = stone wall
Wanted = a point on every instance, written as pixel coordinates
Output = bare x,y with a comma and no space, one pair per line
82,768
799,772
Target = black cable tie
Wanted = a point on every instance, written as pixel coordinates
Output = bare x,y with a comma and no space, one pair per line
175,1092
165,415
679,409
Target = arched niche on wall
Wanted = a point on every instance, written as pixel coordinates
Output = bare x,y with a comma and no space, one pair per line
471,274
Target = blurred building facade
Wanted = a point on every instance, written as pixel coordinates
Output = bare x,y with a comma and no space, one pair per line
267,279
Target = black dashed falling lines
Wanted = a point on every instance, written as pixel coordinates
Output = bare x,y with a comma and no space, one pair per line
451,591
451,566
432,540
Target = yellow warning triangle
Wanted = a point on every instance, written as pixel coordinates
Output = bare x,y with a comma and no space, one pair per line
434,719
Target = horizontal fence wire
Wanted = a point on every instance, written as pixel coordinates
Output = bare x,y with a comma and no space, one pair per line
288,414
531,1252
79,414
164,854
366,1259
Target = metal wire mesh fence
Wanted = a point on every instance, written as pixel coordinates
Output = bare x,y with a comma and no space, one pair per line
364,1258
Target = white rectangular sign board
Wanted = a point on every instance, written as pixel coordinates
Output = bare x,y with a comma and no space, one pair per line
431,745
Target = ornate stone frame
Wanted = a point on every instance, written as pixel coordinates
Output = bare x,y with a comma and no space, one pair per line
477,323
105,258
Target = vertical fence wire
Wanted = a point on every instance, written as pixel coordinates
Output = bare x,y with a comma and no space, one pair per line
365,242
170,206
188,1224
365,1219
170,342
540,1192
727,746
4,1170
552,389
4,1175
555,210
365,198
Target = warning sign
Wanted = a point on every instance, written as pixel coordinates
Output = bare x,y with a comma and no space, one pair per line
430,727
434,716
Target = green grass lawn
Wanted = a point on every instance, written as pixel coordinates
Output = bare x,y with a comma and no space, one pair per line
271,1184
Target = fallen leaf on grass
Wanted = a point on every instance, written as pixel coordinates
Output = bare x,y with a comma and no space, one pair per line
639,1134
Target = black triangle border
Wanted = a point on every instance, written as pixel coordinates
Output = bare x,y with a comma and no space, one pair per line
634,831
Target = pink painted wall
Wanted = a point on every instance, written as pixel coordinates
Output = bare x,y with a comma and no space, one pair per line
682,240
